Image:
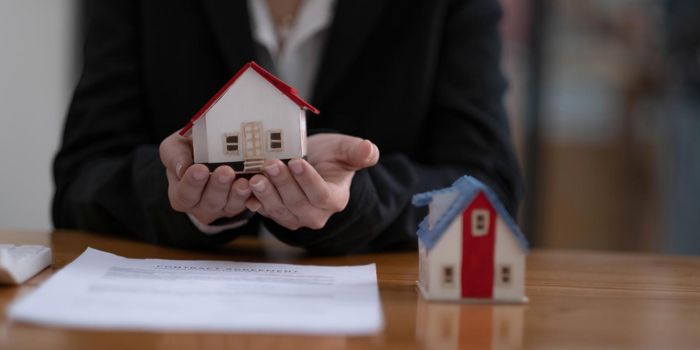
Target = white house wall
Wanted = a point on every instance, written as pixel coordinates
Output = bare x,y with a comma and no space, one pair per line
448,251
302,131
423,266
199,141
251,99
508,252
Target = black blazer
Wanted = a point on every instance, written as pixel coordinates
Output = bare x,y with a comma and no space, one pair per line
421,79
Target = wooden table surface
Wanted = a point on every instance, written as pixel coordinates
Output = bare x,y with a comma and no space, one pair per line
577,300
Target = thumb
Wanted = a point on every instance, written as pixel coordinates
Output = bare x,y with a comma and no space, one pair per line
176,154
363,154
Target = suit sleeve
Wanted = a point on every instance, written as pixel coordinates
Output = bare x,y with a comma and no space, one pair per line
107,172
468,134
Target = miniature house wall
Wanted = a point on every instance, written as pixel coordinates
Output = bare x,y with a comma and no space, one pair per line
469,248
253,118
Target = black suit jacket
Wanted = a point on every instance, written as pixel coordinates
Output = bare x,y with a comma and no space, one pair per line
421,79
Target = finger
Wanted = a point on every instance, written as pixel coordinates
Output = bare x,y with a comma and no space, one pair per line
215,194
172,178
187,192
314,186
176,154
271,202
374,156
253,204
172,186
364,154
358,154
239,193
293,196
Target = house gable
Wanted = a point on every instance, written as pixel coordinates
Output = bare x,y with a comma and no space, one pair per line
283,88
468,188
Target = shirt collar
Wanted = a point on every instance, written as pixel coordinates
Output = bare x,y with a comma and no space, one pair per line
314,16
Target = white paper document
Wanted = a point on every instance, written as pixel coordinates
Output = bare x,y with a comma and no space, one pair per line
106,291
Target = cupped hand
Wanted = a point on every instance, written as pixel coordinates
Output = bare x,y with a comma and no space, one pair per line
193,190
307,194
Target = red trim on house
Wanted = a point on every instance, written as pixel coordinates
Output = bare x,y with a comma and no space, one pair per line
478,252
289,91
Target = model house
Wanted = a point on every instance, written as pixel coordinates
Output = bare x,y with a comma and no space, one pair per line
254,117
469,247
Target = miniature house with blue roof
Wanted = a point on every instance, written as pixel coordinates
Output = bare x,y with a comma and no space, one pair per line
470,248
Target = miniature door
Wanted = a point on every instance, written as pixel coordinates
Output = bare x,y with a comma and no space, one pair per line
252,137
253,155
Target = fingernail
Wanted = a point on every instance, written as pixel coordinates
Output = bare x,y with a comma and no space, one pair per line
242,191
200,175
225,178
296,167
372,153
272,170
253,206
258,186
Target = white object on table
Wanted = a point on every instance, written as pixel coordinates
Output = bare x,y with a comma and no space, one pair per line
100,290
20,262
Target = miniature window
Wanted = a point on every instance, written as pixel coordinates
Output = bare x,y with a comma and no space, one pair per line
480,222
448,276
505,275
231,143
274,140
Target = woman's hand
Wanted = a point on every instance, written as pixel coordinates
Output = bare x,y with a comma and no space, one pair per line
306,194
193,190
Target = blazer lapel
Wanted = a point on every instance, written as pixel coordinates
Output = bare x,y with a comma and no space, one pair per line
230,23
352,24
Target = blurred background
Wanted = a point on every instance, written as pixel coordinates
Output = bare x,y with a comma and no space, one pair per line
604,103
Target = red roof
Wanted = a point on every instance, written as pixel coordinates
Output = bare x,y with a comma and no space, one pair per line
276,82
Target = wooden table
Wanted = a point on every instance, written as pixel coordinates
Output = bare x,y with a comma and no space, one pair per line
577,300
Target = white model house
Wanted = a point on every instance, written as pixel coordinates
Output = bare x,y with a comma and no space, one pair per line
469,247
254,117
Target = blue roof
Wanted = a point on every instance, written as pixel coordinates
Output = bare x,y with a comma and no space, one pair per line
468,188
